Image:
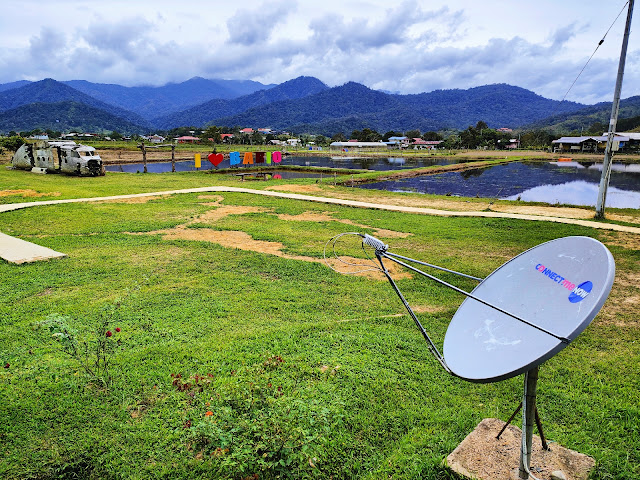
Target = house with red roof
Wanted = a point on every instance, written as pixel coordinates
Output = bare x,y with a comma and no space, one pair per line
187,139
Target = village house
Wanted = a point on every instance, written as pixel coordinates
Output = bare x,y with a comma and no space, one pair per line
155,138
419,143
356,144
187,139
398,142
594,143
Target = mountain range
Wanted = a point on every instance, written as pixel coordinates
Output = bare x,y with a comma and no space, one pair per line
300,105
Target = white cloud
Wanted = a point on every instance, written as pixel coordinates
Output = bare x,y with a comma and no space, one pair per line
541,46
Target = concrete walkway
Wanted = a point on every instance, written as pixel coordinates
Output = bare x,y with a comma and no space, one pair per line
19,251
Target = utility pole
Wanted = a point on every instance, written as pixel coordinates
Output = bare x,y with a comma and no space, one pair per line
606,164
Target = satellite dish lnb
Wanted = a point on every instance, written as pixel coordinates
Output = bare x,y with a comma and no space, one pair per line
557,287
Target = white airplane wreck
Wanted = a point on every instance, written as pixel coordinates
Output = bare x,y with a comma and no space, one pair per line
58,157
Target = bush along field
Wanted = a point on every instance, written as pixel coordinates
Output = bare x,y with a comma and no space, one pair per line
203,336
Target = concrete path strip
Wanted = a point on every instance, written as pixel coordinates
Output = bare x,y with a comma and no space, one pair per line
6,246
14,250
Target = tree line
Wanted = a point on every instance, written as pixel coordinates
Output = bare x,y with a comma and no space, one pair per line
473,137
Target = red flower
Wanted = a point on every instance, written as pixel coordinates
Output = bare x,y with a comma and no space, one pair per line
117,329
108,334
6,365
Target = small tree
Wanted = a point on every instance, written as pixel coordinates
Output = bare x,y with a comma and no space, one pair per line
431,136
257,138
339,137
389,134
212,134
12,143
321,140
115,135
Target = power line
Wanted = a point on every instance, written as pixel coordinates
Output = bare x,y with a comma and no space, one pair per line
594,52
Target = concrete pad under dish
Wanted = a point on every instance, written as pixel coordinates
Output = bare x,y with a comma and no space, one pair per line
483,457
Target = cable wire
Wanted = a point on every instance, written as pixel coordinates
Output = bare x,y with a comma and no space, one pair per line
368,266
594,52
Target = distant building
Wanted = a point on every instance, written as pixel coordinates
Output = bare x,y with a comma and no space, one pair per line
398,142
155,138
510,144
247,130
593,143
356,144
505,130
187,139
419,143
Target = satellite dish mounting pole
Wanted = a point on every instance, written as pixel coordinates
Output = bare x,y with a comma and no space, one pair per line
528,421
606,164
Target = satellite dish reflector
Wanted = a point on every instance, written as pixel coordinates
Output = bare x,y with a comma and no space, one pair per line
558,286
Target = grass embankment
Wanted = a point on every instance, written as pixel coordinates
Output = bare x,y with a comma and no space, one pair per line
241,353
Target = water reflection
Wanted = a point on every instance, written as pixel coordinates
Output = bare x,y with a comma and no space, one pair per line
551,182
578,192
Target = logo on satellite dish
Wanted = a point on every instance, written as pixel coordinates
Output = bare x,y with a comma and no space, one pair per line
578,293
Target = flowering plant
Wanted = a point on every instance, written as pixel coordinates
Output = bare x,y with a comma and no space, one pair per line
93,353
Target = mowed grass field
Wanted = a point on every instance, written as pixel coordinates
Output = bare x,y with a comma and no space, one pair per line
239,354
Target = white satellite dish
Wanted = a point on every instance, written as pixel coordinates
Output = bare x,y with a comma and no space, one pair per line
557,287
519,316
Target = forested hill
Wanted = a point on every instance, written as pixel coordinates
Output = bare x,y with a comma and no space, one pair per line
51,91
301,105
500,105
203,114
150,102
594,118
354,106
67,116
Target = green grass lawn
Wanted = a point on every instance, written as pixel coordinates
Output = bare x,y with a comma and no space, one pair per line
230,362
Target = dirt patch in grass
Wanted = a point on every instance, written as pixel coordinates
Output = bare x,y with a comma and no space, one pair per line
216,199
307,217
564,212
623,218
622,308
326,217
420,309
219,213
476,205
415,201
134,200
243,241
296,188
27,193
624,240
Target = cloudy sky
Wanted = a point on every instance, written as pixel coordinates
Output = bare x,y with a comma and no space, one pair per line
409,46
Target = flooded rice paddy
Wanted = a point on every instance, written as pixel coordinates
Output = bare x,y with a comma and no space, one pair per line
571,183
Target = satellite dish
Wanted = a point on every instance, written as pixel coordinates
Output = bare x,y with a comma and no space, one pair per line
519,316
558,287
